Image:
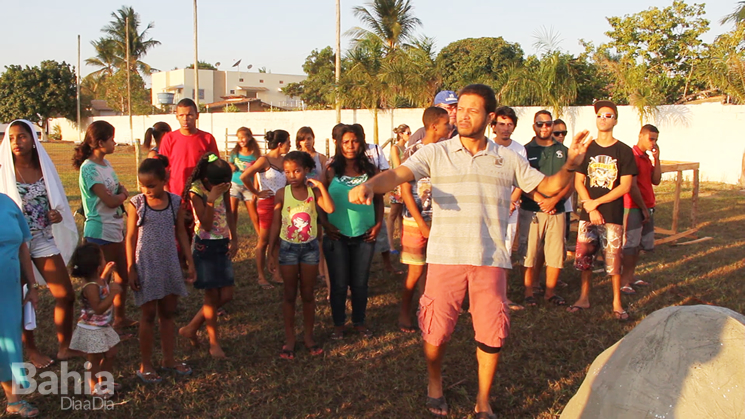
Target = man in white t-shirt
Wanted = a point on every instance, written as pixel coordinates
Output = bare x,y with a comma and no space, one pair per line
503,126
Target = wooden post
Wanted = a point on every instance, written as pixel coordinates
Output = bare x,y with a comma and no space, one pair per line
694,199
676,204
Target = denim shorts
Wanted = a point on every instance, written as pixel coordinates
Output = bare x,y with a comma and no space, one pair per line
212,263
100,242
240,192
295,253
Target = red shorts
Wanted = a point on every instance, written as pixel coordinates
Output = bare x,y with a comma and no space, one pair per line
265,209
443,295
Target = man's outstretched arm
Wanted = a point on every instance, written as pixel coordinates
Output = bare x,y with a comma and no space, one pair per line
381,183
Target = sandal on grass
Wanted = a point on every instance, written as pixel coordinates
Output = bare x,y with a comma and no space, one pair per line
337,334
288,354
626,289
25,409
364,331
640,283
621,316
180,368
514,306
557,300
437,406
530,301
149,377
576,309
266,285
407,329
315,350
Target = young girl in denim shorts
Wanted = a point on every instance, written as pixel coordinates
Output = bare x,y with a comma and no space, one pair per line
295,225
244,154
215,243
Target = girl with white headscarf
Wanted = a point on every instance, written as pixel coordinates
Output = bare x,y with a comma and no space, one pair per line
28,176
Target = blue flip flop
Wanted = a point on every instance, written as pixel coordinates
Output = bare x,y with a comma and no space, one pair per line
178,371
149,377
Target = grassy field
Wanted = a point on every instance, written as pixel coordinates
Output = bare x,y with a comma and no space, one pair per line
541,367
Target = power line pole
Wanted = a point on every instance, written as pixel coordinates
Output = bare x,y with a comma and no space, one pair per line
338,59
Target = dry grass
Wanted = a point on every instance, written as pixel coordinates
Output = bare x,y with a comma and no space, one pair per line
547,355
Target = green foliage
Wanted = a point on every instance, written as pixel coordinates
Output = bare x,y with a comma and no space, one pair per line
56,134
231,108
726,64
652,54
38,93
317,90
738,16
116,93
203,66
490,61
387,65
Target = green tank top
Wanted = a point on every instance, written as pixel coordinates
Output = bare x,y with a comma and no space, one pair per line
352,220
299,220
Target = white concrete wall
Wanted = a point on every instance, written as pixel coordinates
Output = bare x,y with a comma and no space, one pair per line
707,133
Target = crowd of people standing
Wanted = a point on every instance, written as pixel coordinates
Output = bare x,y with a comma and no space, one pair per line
463,202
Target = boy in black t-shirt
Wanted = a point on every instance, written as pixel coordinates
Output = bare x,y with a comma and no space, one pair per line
601,182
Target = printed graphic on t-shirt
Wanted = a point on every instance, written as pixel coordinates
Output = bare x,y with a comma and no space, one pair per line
300,227
602,171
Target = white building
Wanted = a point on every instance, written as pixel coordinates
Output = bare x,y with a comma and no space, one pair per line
217,89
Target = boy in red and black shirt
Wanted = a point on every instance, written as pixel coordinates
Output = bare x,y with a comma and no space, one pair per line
639,206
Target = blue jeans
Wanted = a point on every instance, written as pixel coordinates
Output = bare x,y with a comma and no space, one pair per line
348,260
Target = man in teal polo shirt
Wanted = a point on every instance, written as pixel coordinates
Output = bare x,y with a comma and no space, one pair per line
541,221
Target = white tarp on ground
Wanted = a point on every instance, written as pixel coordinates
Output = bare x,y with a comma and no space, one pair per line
679,362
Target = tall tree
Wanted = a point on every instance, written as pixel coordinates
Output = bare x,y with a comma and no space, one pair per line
726,64
38,93
392,22
737,16
116,93
363,83
114,43
388,65
665,43
478,60
106,58
317,90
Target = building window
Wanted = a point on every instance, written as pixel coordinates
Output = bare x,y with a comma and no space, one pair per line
250,95
232,92
240,79
201,94
261,81
281,82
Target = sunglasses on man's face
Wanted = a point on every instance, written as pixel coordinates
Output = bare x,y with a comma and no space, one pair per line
540,124
560,133
606,116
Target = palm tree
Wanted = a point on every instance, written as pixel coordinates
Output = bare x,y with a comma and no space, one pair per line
364,84
105,58
139,43
737,16
390,21
387,64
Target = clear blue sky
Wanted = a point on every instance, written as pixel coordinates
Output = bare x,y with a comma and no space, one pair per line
280,34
